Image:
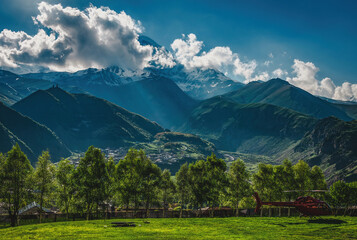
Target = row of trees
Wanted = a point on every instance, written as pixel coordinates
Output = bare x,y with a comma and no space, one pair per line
136,182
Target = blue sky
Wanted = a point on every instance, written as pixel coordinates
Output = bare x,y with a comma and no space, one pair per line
321,32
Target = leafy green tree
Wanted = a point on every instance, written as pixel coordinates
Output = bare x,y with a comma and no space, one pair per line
353,193
279,182
44,177
129,179
138,179
16,172
151,181
217,177
199,182
318,182
302,174
110,187
207,180
239,185
341,194
167,188
183,186
91,176
264,182
288,181
65,185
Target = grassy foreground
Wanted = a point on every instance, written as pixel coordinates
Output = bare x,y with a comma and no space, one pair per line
193,228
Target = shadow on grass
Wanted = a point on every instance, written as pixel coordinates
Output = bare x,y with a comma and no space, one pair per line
326,221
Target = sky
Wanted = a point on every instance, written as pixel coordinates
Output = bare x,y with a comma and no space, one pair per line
311,44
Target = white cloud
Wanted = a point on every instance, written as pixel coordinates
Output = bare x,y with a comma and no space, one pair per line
163,58
188,51
279,73
271,55
306,79
95,37
245,69
267,63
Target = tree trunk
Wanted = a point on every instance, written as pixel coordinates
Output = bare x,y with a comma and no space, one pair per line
135,204
67,213
181,210
269,212
41,203
147,208
88,210
163,211
13,220
127,209
237,210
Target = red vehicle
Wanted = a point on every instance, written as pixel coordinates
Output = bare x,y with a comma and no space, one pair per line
307,206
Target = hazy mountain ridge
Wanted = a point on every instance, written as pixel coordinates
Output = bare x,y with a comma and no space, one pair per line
252,128
32,137
82,120
280,93
332,144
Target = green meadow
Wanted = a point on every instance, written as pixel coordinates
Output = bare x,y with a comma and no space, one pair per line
192,228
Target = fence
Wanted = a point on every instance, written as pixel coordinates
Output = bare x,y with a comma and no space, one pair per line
158,213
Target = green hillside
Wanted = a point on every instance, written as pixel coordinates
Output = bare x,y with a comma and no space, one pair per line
332,144
251,128
32,137
82,120
280,93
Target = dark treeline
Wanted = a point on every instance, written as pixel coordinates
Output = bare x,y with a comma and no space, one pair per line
137,183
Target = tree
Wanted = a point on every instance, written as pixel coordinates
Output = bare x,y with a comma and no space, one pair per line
302,176
44,178
239,186
318,182
183,186
264,182
217,177
207,180
167,188
91,176
341,194
353,193
199,182
128,178
151,178
138,178
64,177
15,172
110,187
288,179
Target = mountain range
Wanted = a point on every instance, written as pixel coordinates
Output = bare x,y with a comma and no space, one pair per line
280,93
115,108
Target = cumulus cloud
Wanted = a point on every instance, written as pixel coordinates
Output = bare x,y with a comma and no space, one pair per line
188,51
162,58
70,39
280,73
306,79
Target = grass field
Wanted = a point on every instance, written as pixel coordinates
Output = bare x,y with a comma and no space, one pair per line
193,228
